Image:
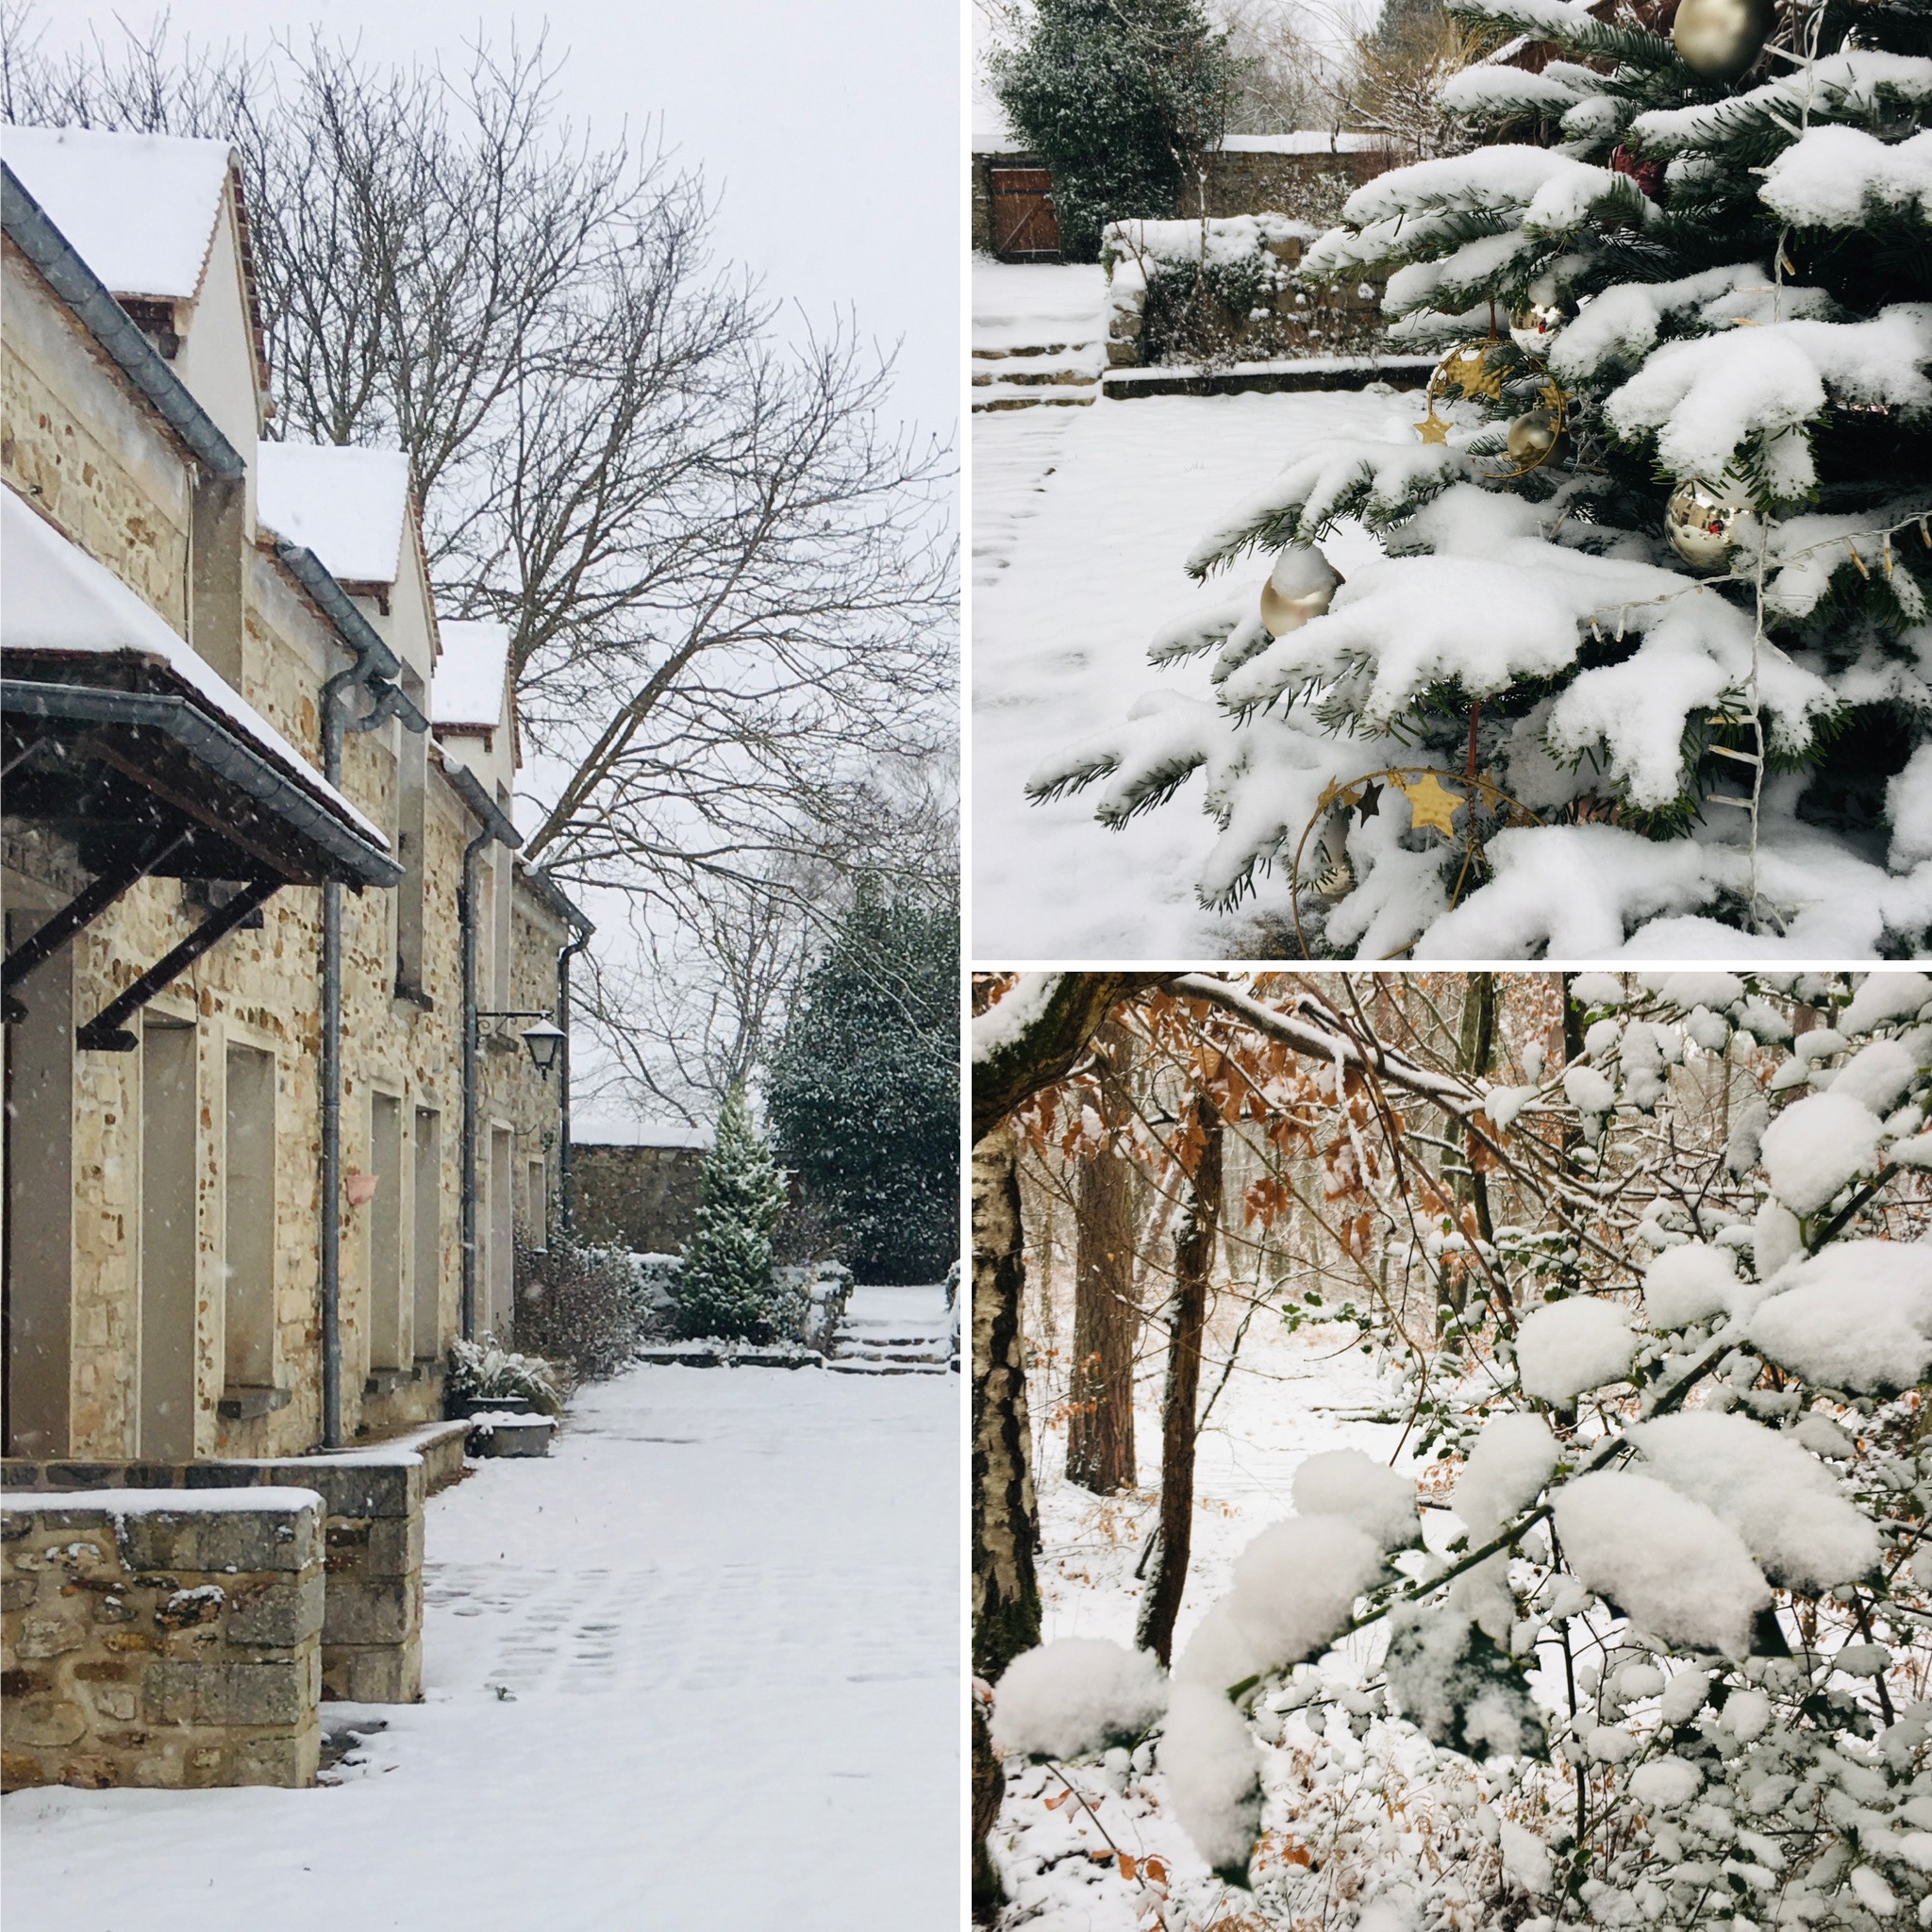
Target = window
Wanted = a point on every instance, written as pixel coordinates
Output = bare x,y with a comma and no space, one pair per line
388,1343
536,1205
428,1259
248,1215
167,1240
501,1251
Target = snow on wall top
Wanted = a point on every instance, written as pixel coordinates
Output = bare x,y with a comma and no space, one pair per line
158,1502
1299,140
54,597
469,684
346,504
141,208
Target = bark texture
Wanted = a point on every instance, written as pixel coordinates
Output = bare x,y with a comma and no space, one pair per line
1194,1263
1007,1077
1100,1430
1006,1595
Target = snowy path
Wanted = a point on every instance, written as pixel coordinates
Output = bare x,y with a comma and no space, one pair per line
723,1621
1072,573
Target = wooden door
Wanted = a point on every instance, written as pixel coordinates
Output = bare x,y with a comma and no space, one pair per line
1023,224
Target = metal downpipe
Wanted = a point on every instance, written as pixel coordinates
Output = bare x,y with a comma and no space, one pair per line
466,914
566,1182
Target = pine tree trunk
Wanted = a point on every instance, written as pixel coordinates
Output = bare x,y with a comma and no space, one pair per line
1006,1595
1193,1263
1100,1432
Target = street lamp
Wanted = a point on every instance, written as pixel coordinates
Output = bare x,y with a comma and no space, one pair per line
544,1040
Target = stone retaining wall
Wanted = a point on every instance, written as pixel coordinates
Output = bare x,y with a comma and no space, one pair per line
161,1641
372,1624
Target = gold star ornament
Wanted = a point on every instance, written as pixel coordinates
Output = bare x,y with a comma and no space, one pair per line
1431,804
1432,427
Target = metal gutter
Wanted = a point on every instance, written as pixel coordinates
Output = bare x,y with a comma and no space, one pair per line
231,757
373,657
27,226
491,827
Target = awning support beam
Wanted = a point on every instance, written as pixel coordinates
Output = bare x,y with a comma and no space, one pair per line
81,910
105,1033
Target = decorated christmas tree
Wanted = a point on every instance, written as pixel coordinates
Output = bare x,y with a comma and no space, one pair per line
1644,659
724,1285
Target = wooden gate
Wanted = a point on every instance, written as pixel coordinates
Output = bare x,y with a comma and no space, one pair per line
1024,224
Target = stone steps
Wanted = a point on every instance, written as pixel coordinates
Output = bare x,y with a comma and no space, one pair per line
878,1347
1030,375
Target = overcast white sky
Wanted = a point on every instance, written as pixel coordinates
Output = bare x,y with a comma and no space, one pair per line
831,126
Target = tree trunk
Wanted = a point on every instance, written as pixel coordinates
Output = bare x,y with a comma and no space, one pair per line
1193,1263
1474,1050
1100,1432
1006,1595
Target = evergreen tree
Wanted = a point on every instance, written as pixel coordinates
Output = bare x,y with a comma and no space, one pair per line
864,1092
1654,565
1113,94
724,1287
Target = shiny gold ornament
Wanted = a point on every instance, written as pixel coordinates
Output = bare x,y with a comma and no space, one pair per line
1335,879
1299,588
1434,428
1720,39
1532,327
1532,437
1707,523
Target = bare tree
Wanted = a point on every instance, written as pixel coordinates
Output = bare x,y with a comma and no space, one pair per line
729,587
1187,1315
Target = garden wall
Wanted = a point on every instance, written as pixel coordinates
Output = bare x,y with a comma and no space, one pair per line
161,1640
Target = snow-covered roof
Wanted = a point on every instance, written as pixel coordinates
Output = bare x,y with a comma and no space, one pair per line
139,208
468,690
1302,141
346,504
54,597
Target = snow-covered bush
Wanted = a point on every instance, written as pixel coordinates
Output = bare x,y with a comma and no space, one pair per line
1674,1653
809,1301
1229,289
483,1371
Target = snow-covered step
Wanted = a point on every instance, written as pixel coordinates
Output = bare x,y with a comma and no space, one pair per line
1039,336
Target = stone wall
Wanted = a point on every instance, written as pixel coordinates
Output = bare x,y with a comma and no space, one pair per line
1308,187
372,1526
641,1198
161,1641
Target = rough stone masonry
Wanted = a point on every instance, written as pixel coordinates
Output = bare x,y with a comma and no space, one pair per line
162,1640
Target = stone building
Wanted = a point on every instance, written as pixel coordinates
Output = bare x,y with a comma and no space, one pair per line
236,835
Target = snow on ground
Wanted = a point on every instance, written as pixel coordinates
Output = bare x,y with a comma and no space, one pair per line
1028,305
1292,1396
699,1668
1082,520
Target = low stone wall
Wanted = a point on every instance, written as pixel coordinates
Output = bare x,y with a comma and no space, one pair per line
372,1627
160,1640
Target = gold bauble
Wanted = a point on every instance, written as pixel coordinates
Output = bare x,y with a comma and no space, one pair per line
1720,39
1300,587
1707,523
1532,325
1532,436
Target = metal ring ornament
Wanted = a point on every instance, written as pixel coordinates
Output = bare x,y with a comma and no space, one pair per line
1491,802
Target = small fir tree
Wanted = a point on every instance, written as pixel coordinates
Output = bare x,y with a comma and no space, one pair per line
864,1093
1113,95
724,1288
1656,555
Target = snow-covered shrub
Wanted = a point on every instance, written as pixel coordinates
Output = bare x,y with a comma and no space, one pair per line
483,1371
652,1297
1677,1650
808,1301
724,1282
574,1305
1229,290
